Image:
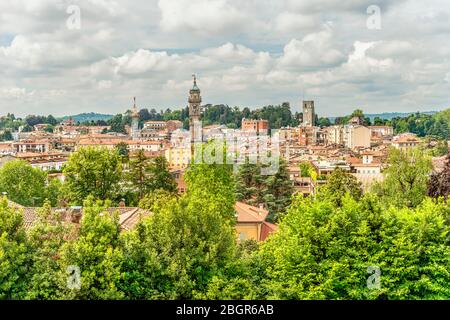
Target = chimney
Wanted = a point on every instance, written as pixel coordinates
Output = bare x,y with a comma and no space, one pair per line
261,208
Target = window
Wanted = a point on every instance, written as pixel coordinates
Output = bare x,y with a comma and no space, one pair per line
242,236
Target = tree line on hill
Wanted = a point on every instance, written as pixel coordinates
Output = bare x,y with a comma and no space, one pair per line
327,245
278,116
422,124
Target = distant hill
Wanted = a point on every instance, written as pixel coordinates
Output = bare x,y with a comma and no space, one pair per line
91,116
389,115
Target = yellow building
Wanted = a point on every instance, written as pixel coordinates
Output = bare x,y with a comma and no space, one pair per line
178,158
251,223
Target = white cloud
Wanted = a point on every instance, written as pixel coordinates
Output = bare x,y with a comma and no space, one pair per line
315,50
13,93
248,52
143,61
230,51
24,53
104,84
206,17
294,22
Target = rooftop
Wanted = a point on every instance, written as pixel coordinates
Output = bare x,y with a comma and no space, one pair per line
248,213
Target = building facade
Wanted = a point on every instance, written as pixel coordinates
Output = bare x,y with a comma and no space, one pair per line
308,113
260,127
356,137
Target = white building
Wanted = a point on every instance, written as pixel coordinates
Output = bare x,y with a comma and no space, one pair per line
6,148
148,146
334,135
382,131
356,136
405,141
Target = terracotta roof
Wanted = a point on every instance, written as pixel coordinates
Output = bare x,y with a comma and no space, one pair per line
6,146
128,221
266,229
41,154
407,139
113,141
294,169
128,216
353,160
247,213
144,142
439,163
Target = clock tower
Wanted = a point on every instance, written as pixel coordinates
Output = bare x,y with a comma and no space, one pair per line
135,134
195,125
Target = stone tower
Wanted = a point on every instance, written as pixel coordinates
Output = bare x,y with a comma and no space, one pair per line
134,121
195,125
308,113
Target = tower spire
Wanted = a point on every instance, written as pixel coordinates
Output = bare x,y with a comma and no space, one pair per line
195,87
195,125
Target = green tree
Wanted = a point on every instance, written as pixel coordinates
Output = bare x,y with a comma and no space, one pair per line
274,191
441,149
47,236
414,253
138,173
93,171
249,182
51,120
358,113
156,200
14,253
324,122
122,150
147,175
117,124
307,170
174,253
278,192
214,182
377,121
339,183
54,192
23,184
406,178
323,251
6,136
96,252
160,176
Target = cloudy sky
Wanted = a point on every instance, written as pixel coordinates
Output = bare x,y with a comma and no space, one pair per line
245,53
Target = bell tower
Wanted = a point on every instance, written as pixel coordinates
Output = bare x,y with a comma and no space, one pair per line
195,125
135,122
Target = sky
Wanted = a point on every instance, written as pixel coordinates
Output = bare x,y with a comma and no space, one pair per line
66,57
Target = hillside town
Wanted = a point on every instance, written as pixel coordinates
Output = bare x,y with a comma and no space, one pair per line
356,148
